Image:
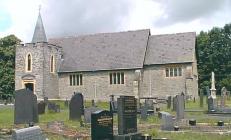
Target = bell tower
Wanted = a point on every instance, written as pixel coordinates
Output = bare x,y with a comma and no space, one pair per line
36,64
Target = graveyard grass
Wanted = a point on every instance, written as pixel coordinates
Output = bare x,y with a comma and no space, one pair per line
7,120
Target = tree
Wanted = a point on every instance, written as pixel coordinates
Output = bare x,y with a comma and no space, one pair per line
7,65
214,54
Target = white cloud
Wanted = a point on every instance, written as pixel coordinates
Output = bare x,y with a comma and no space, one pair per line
64,18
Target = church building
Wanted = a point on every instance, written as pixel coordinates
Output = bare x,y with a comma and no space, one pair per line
98,65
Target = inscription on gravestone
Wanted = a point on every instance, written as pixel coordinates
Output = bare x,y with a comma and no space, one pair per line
102,125
127,115
76,108
25,107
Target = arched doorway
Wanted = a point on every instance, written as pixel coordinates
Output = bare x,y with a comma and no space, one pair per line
29,86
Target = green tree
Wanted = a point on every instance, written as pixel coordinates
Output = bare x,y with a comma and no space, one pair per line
7,65
214,54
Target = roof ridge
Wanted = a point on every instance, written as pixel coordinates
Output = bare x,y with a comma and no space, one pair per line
93,34
174,33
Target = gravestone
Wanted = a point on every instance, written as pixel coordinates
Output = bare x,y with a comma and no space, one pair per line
66,103
207,93
93,103
167,122
169,102
211,104
76,107
87,113
127,115
180,107
53,107
45,99
144,112
30,133
223,97
149,104
201,98
25,107
113,106
228,95
174,103
41,107
102,125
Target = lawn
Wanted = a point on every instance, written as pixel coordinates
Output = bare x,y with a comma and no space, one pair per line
7,118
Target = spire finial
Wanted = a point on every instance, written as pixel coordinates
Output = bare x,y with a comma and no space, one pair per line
40,8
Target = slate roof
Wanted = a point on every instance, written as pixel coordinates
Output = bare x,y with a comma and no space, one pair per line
170,48
39,32
104,51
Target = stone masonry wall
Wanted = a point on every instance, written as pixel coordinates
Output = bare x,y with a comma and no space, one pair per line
155,83
96,85
45,83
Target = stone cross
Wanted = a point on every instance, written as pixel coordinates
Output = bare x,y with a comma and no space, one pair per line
213,89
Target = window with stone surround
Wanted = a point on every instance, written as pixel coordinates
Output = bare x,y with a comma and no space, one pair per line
173,71
28,62
76,79
52,64
116,78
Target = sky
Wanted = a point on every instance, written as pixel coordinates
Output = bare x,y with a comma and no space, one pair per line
77,17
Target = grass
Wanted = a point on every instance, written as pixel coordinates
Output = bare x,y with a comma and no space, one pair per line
187,135
7,118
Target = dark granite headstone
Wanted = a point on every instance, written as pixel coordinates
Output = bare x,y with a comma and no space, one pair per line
169,102
25,107
93,103
41,107
87,113
127,115
76,107
53,107
102,125
174,103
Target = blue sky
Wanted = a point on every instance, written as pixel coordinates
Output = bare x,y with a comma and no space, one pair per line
74,17
5,21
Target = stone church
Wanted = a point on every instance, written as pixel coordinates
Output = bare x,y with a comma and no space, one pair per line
99,65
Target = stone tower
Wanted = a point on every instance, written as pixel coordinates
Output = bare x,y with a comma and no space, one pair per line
37,63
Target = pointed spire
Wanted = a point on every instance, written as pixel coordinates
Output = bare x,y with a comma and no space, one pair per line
39,32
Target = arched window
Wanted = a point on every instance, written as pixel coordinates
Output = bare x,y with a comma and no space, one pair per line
29,62
52,64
